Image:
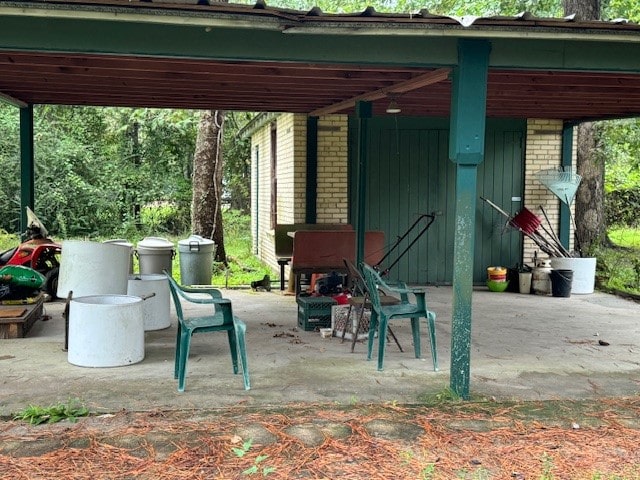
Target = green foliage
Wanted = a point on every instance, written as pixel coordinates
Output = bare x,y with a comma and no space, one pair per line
10,167
243,266
625,237
542,8
242,451
622,207
36,415
164,217
256,467
8,240
547,467
629,9
446,395
237,161
618,269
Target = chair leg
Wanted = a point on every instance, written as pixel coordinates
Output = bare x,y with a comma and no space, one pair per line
240,331
431,318
233,342
177,359
382,340
354,339
346,322
185,343
373,325
415,330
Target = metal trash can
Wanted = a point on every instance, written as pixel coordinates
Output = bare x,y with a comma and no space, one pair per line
155,254
196,260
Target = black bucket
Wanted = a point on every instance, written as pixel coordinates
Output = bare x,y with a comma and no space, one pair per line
561,281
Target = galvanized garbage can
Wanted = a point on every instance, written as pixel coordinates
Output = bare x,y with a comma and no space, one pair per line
155,254
196,260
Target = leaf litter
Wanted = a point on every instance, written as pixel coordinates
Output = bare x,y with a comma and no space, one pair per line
499,442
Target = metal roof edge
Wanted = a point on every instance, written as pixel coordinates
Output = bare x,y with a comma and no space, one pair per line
314,21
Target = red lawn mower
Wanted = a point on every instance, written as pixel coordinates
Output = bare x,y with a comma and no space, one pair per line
37,252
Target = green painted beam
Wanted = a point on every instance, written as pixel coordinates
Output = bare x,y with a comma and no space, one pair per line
129,38
27,170
363,114
466,149
566,161
251,40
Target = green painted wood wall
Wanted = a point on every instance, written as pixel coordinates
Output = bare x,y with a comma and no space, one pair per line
410,174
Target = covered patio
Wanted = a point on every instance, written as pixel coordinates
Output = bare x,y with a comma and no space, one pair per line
256,58
525,347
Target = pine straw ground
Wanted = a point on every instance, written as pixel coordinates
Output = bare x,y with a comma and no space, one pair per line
555,440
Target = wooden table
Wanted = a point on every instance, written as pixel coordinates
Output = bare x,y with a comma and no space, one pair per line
17,320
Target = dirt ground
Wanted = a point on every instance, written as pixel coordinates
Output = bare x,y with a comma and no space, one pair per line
438,440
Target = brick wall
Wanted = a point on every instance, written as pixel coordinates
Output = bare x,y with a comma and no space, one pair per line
332,192
543,152
332,199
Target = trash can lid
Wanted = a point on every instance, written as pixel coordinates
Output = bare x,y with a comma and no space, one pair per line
156,243
195,239
196,244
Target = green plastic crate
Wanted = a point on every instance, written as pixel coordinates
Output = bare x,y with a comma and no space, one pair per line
314,312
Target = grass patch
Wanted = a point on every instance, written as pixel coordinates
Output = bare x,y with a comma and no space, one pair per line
626,237
618,268
243,266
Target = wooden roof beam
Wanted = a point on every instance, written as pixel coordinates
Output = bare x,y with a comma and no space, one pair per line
414,83
12,100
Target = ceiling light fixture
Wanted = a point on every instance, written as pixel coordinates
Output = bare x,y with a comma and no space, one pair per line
393,106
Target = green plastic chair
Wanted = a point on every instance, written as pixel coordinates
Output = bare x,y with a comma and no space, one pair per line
221,319
382,314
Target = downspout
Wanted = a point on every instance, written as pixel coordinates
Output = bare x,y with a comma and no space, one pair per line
564,230
311,210
256,232
27,170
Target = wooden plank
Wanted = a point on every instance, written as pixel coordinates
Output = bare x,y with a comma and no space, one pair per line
11,313
18,326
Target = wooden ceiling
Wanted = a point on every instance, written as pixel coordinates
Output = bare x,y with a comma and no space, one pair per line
165,54
101,80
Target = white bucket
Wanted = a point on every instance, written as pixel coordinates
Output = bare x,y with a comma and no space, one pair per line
106,331
92,268
156,309
584,272
125,243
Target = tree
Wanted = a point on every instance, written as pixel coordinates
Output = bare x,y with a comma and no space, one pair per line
237,162
206,205
590,213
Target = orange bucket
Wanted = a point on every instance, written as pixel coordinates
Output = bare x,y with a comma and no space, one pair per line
497,274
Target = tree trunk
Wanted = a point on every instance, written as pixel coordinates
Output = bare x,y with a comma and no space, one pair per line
589,217
206,204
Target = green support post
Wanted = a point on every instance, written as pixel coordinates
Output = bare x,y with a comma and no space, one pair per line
27,170
363,113
567,156
466,150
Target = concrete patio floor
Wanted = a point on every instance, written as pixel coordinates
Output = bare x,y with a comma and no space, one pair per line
523,347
